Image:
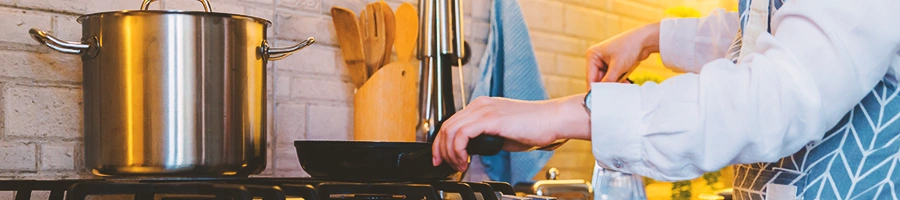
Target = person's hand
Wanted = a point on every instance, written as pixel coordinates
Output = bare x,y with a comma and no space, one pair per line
615,58
524,124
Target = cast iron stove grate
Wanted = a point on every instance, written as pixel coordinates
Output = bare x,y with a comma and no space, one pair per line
254,188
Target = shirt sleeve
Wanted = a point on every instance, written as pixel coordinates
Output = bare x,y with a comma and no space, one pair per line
823,58
685,44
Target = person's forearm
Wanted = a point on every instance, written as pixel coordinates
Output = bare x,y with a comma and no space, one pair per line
573,121
685,44
650,43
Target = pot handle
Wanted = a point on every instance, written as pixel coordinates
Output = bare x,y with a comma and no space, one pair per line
206,6
280,53
58,44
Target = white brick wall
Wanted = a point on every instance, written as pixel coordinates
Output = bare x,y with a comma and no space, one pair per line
329,122
40,116
543,14
53,66
42,112
291,119
58,156
18,156
15,22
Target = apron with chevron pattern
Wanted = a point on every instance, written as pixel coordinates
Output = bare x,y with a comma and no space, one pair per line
858,159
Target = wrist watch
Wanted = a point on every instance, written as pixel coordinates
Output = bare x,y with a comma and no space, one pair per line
587,102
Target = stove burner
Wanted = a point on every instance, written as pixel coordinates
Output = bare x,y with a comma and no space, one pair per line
366,196
255,188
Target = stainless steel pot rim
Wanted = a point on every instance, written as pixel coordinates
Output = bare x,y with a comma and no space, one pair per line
266,22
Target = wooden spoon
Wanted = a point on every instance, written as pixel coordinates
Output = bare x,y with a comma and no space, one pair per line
390,32
407,32
374,38
350,41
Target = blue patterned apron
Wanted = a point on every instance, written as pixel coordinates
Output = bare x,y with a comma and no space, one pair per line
856,159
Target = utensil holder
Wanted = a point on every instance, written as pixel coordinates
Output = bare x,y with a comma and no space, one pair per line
385,106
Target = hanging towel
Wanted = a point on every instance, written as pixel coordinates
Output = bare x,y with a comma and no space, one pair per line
510,70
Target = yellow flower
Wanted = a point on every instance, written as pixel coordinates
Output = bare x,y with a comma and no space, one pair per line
641,77
682,11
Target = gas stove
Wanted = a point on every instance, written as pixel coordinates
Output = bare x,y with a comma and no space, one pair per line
259,188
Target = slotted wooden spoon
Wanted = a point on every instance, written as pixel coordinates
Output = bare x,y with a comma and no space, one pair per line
372,21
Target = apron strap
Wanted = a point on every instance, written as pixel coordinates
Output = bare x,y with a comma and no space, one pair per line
757,23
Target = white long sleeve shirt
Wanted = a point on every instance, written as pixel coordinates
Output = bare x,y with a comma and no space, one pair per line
822,58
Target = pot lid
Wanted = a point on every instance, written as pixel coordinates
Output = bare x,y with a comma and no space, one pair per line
266,22
208,12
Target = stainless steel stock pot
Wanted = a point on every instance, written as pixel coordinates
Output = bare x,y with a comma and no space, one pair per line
173,93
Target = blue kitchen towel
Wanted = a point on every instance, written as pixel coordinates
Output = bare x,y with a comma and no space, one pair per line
511,71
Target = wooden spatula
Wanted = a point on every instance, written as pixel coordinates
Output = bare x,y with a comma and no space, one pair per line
350,41
407,30
374,38
390,32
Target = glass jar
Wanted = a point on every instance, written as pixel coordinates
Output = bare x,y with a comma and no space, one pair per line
611,184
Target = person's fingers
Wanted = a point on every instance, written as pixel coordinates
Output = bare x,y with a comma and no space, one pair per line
447,150
442,146
596,67
450,130
592,71
597,78
452,133
445,156
614,73
467,132
624,77
458,149
436,150
459,130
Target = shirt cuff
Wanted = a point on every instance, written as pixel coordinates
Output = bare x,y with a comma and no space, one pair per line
676,43
616,125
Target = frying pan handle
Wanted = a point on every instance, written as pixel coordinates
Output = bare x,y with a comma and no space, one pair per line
486,145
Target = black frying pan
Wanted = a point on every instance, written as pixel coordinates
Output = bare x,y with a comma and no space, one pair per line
356,160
